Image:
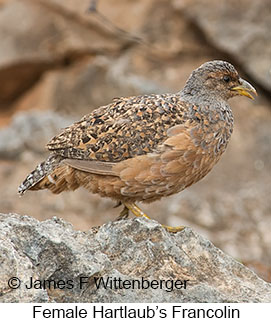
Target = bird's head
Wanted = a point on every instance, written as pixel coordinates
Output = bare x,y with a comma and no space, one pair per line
217,80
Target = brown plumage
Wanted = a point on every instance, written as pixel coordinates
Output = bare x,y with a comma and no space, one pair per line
146,147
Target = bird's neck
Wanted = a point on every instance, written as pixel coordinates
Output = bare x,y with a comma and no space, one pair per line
197,96
208,103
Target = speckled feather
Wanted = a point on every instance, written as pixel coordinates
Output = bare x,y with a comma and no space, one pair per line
126,128
145,147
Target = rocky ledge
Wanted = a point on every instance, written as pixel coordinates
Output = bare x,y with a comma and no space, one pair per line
134,260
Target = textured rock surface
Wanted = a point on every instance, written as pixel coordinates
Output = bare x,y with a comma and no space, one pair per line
131,249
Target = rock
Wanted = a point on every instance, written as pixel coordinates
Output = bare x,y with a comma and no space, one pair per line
30,130
240,29
133,251
42,40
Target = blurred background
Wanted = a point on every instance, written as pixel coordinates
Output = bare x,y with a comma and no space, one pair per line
61,59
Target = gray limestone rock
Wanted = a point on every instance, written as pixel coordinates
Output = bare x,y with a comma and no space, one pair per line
182,267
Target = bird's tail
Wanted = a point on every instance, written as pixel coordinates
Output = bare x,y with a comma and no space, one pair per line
42,171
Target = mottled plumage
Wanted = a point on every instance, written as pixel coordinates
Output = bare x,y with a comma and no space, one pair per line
145,147
126,128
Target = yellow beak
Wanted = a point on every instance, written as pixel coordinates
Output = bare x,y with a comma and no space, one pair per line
245,89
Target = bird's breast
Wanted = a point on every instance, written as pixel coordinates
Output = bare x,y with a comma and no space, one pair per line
210,128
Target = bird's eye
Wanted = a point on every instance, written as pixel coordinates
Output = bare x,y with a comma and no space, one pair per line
226,79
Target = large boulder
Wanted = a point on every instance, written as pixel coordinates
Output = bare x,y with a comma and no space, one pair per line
142,261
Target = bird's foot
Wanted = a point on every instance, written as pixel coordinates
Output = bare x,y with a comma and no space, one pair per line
139,213
173,229
123,214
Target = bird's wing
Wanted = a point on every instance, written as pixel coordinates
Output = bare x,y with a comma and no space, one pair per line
91,166
126,128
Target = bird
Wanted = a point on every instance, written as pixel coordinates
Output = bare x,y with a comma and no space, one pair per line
142,148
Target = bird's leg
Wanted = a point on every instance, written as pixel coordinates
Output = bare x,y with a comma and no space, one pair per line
123,214
138,212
